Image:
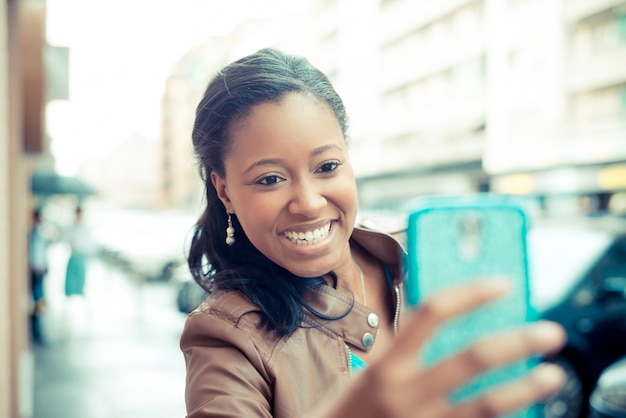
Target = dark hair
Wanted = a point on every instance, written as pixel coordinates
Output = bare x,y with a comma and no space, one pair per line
265,76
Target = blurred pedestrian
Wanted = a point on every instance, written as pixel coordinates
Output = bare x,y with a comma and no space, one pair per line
81,246
38,243
37,259
305,315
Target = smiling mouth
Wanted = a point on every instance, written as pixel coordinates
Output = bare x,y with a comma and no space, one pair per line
308,237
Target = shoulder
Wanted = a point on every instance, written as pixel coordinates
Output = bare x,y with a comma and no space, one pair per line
229,318
228,305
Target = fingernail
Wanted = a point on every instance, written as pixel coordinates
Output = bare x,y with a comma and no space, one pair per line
546,330
550,375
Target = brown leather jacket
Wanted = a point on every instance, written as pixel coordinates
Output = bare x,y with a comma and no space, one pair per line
236,369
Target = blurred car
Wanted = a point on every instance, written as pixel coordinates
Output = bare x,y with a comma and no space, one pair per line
189,296
149,244
608,400
578,279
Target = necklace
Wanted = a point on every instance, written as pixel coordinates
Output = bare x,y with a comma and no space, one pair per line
362,284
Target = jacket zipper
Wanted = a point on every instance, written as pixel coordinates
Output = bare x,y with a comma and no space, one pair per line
396,322
396,317
349,358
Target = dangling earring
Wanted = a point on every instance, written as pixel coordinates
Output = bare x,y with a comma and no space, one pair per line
230,231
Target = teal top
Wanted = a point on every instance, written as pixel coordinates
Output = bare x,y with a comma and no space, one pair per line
356,363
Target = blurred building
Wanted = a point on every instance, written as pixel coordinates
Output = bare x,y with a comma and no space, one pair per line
180,184
22,140
433,107
561,126
520,97
515,96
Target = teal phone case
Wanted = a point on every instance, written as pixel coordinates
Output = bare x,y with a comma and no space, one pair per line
454,240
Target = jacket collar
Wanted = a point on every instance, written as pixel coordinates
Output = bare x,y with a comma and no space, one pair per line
389,248
357,324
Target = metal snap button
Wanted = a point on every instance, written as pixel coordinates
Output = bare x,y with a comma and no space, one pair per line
368,339
372,320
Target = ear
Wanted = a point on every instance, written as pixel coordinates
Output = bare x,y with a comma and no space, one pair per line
220,186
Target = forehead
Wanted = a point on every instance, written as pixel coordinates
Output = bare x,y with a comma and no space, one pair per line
295,119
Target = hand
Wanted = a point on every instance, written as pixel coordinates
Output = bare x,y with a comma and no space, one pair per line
396,385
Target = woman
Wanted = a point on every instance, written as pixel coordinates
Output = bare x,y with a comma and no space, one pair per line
81,245
305,315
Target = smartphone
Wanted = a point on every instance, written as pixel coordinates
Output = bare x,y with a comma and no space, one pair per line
452,240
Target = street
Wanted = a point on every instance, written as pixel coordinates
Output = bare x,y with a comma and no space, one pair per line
111,353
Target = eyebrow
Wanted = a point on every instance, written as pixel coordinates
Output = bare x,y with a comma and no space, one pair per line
271,161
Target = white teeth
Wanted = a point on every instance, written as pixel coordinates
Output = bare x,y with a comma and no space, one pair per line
308,237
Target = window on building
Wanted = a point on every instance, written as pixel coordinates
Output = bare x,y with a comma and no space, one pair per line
467,23
604,34
621,27
622,101
601,105
599,34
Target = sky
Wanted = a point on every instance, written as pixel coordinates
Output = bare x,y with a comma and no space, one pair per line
121,52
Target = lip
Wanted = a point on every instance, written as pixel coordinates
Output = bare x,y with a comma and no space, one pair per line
305,227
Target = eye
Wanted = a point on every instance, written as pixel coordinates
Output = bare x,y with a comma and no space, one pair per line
328,167
269,180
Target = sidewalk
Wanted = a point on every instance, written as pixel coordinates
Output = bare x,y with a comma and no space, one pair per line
112,353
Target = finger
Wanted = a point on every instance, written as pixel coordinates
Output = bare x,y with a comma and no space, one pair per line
493,351
442,307
537,386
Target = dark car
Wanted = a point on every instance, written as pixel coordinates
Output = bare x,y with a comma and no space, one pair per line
578,273
189,295
148,244
608,400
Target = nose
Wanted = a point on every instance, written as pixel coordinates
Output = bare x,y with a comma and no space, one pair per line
307,199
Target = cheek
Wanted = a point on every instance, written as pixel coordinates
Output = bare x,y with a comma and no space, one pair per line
257,214
345,193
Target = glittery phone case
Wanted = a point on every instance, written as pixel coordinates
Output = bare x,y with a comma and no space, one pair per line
454,240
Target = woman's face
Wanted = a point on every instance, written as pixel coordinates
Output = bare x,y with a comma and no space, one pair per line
290,183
